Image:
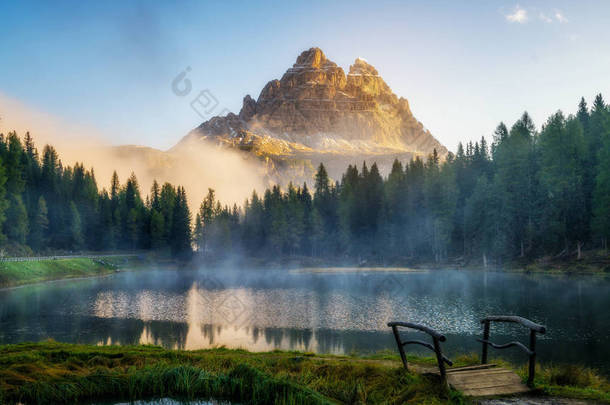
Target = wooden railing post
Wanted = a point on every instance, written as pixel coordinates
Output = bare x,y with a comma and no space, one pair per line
437,338
532,365
401,349
531,350
439,359
486,339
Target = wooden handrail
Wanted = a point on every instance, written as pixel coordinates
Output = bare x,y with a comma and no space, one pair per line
507,345
419,327
531,351
516,319
435,346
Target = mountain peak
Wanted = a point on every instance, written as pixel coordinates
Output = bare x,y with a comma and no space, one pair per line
315,109
313,57
362,67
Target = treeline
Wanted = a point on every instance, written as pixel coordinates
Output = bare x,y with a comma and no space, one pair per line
529,193
46,207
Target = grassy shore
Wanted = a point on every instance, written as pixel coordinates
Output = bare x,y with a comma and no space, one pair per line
592,262
27,272
53,372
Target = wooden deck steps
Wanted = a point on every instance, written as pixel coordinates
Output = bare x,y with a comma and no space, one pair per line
485,380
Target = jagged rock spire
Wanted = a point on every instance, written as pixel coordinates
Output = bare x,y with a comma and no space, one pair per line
316,107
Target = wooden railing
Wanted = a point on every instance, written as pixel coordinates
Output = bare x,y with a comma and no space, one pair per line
435,346
531,350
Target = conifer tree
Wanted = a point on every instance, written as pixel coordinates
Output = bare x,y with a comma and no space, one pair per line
601,192
17,226
562,148
181,227
294,220
515,181
155,196
204,219
40,226
3,201
76,236
479,220
167,202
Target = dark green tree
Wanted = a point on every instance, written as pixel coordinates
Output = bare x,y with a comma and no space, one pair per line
40,226
562,147
17,226
601,192
181,227
76,233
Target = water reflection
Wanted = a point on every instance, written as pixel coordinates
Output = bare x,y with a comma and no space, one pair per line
326,313
287,308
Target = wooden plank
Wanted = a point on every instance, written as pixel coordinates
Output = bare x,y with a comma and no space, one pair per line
486,380
492,391
495,378
467,368
489,382
481,373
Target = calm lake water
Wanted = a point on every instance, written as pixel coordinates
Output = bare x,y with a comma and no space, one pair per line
315,311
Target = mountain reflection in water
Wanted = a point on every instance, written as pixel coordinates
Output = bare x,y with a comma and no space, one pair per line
322,312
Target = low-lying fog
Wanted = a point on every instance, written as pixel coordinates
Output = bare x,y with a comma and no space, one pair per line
195,165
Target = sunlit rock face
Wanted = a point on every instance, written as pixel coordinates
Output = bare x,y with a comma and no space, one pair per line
316,113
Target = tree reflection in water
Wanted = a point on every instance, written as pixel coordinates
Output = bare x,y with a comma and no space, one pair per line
317,312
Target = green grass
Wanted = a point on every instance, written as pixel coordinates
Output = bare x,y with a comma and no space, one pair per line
570,381
53,372
19,273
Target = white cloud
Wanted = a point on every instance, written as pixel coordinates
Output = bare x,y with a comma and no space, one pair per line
518,16
545,18
560,17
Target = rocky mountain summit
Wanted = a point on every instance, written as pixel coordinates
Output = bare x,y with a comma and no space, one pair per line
316,112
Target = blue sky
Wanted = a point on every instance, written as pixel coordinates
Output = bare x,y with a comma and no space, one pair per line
463,67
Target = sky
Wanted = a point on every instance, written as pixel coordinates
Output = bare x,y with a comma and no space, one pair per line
464,67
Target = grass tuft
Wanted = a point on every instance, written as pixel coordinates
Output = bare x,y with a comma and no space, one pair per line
51,372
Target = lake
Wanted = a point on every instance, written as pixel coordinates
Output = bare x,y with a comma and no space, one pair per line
314,310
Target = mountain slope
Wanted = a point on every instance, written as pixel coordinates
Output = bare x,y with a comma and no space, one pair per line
316,113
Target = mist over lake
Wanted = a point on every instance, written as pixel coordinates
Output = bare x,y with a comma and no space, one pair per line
320,311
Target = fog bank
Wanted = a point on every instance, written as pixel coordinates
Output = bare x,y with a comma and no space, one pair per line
196,165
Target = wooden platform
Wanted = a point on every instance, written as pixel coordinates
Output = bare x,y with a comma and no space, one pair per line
485,380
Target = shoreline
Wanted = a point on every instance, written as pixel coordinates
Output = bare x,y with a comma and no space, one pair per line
16,274
58,280
54,372
598,265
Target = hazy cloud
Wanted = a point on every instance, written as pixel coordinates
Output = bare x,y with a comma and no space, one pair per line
518,16
556,16
545,18
560,17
